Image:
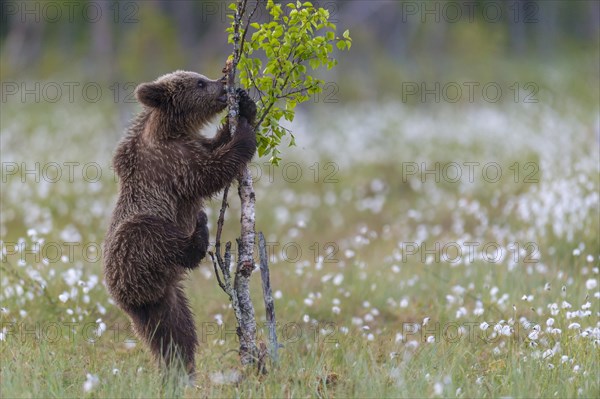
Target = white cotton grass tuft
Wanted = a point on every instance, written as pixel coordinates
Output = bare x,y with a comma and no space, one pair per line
228,377
558,204
129,344
64,297
91,382
338,279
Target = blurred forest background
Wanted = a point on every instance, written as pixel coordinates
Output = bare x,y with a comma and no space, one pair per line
394,41
342,201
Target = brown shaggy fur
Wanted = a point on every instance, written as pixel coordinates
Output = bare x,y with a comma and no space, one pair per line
158,230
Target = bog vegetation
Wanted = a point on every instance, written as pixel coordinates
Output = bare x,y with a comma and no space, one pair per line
417,282
446,249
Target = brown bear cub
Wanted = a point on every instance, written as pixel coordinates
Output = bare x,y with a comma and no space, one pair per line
158,229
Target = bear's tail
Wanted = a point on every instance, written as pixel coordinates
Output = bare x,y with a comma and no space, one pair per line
168,328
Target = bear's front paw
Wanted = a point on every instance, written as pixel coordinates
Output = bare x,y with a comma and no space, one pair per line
202,233
247,106
245,134
202,219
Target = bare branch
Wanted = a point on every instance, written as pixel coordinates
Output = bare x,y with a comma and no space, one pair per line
261,94
219,259
214,262
221,221
230,69
268,297
300,90
227,262
248,25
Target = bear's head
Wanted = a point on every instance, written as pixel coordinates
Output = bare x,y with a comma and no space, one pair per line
183,96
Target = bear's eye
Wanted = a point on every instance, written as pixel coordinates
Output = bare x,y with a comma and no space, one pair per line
201,84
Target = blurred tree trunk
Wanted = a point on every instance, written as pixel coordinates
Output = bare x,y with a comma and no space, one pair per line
593,26
102,52
516,28
547,27
23,44
185,20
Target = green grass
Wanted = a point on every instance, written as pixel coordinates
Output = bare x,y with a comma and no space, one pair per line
347,321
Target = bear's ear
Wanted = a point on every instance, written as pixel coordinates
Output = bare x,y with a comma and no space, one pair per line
151,94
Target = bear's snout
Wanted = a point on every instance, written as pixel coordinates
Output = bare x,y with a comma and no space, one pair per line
222,96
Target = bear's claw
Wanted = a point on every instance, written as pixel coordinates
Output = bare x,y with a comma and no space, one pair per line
247,106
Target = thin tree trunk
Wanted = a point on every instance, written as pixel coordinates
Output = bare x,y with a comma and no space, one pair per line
245,266
239,291
246,330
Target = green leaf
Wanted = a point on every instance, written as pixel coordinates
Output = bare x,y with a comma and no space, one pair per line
275,160
289,116
288,44
261,150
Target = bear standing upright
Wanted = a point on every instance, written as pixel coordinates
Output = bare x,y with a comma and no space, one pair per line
158,229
